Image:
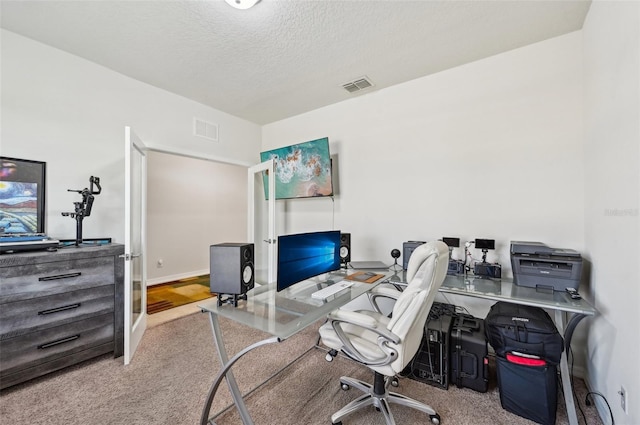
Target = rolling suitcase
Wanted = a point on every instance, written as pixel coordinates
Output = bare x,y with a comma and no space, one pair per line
469,354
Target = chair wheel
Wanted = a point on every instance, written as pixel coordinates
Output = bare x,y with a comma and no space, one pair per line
328,357
435,419
394,382
345,387
336,423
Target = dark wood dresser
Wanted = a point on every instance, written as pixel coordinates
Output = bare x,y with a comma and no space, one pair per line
58,309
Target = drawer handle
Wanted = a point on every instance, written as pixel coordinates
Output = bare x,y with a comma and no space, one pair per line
58,342
60,276
59,309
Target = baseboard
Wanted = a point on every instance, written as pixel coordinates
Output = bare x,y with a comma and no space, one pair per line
171,278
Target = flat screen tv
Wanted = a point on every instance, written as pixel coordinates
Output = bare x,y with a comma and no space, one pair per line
22,193
302,170
305,255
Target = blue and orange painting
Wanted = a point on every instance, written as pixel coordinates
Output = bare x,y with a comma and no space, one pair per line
301,171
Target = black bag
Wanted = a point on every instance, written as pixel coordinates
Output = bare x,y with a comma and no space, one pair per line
528,391
469,353
523,329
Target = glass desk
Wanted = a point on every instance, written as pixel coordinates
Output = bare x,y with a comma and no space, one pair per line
281,314
567,312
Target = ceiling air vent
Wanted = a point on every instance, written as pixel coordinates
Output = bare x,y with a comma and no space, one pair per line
357,85
205,129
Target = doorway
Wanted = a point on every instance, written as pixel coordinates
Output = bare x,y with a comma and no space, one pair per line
191,204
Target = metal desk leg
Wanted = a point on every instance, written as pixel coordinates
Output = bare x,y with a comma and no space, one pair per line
564,373
226,373
571,326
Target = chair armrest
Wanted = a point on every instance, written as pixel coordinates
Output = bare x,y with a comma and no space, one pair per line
386,291
353,318
381,292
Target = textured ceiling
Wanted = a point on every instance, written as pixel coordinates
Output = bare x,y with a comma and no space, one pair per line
285,57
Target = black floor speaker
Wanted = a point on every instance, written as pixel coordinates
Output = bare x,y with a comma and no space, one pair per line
345,248
231,271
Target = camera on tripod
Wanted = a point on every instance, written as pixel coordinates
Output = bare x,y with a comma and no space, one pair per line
484,269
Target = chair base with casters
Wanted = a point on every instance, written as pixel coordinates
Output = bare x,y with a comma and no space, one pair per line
378,396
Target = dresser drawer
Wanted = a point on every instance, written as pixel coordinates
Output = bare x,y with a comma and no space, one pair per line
20,317
58,309
49,344
25,282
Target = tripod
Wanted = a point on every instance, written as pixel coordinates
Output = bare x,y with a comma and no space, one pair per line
83,208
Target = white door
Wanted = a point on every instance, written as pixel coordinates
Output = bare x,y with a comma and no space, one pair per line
135,291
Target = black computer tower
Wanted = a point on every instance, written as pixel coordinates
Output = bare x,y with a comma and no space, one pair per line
431,363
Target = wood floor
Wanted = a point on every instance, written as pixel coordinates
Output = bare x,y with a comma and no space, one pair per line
174,294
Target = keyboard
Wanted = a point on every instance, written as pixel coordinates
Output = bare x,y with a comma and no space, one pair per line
330,290
16,242
22,237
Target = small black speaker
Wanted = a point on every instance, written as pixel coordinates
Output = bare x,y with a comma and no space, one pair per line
407,249
231,270
345,247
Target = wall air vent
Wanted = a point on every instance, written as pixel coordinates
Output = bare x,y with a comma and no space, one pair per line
357,85
205,129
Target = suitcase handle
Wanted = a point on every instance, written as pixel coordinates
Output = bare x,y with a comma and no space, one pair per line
463,353
468,324
474,372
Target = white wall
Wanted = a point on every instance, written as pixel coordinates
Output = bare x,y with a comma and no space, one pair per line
541,143
71,113
492,149
191,205
612,158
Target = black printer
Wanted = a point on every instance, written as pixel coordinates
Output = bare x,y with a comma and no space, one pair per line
538,266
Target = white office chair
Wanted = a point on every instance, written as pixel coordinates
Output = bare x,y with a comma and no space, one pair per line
388,344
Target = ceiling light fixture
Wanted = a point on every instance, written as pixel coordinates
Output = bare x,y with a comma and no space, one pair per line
242,4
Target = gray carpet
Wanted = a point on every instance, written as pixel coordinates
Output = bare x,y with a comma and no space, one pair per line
310,393
170,375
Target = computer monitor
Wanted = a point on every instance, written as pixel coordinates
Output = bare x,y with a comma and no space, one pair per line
485,244
22,196
451,242
305,255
